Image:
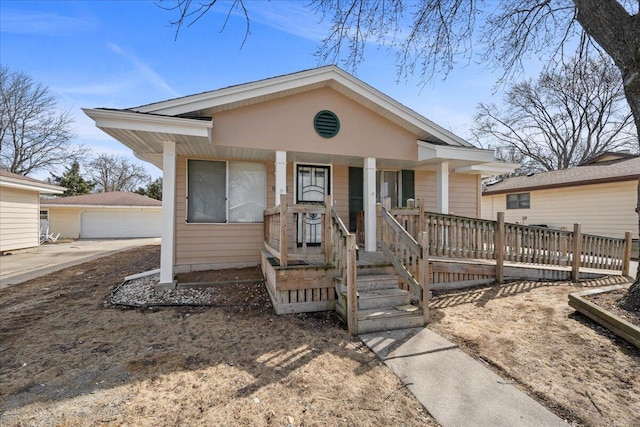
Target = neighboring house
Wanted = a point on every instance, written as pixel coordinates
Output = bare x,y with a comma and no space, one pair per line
113,214
228,154
601,195
20,210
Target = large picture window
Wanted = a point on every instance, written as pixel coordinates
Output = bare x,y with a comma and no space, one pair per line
518,201
220,192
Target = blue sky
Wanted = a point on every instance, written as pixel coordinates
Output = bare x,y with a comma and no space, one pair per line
121,54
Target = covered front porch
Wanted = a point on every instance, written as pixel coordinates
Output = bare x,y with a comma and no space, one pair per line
416,252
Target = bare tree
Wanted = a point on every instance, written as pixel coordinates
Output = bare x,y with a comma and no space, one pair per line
565,117
433,36
34,134
115,173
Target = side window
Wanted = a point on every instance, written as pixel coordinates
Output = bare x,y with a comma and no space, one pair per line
518,201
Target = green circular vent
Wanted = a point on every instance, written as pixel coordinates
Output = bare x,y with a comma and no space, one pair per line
326,123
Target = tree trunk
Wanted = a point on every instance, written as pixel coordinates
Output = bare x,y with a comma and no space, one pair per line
618,33
631,301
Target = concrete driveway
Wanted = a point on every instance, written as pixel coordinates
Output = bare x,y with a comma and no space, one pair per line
20,267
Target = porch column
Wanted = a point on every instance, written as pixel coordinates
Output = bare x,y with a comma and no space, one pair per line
442,201
369,204
167,247
281,175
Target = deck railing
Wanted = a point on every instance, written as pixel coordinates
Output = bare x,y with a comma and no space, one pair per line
409,258
537,245
344,258
278,220
454,236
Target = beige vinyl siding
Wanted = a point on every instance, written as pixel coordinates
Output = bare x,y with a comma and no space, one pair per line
65,221
463,195
341,192
601,209
425,188
214,243
19,219
463,192
287,124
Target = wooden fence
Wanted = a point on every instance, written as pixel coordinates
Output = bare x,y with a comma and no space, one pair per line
344,258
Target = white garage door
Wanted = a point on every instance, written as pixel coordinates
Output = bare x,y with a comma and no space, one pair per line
114,224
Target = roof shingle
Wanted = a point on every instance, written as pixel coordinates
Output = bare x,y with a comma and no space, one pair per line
624,170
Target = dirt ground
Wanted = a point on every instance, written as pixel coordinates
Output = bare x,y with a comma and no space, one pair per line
529,334
69,359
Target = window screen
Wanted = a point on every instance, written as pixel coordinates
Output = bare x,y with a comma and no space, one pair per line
206,195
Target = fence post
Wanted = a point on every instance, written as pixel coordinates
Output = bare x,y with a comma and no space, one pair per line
283,231
352,294
626,258
500,248
577,252
421,227
424,275
328,221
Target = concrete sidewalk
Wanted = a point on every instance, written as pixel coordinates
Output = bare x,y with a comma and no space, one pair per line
20,267
456,389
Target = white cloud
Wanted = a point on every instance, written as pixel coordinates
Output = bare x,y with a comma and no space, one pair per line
144,70
38,23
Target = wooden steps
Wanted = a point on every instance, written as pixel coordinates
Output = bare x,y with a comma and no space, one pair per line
382,305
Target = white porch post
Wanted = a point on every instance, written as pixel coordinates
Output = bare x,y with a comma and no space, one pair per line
167,247
370,242
442,202
281,175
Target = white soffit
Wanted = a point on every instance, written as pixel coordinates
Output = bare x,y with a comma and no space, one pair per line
117,119
19,184
428,151
488,169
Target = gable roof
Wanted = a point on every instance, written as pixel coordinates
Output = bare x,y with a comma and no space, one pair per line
111,199
625,169
14,180
302,81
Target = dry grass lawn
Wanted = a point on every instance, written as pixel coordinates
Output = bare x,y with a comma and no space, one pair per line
66,359
528,332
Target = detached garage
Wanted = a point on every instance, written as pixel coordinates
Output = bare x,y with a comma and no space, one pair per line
109,215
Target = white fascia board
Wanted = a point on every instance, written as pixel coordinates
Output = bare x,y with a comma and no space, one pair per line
488,169
43,204
400,110
26,185
238,93
150,123
324,76
427,151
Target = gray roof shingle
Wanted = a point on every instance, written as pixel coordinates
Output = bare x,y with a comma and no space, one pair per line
623,170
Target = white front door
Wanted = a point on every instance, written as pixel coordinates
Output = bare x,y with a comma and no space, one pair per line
312,185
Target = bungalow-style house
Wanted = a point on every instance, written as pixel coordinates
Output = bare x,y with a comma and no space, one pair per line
20,210
110,215
600,194
229,154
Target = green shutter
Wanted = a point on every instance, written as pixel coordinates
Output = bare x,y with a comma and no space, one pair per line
408,186
356,195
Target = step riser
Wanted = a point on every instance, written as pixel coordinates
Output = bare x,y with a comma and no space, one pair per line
383,301
372,270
